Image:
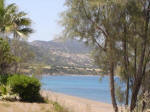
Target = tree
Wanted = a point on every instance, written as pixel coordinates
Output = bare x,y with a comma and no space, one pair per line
24,54
139,44
21,28
6,16
14,22
7,59
94,28
21,25
119,32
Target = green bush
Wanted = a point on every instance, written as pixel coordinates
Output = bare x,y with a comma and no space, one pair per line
3,79
26,87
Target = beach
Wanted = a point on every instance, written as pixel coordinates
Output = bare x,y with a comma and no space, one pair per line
76,104
69,103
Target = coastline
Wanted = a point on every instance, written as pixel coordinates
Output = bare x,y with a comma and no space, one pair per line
77,104
69,75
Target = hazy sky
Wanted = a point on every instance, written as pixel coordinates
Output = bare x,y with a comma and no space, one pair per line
45,15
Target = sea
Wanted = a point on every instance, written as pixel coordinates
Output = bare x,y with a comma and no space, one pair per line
90,87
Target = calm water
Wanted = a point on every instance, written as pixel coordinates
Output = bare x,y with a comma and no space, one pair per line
89,87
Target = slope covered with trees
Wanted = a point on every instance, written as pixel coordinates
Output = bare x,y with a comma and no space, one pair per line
70,56
71,53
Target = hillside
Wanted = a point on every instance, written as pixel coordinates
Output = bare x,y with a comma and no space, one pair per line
60,55
66,53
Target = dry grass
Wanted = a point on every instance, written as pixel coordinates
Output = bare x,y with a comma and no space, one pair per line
49,106
25,107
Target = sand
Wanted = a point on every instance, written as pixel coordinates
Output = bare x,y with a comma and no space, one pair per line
76,104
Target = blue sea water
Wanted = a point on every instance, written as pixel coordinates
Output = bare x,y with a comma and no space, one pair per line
90,87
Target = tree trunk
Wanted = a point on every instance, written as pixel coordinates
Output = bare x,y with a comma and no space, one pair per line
143,106
139,78
140,74
135,62
126,63
127,92
135,92
15,51
143,102
112,87
16,68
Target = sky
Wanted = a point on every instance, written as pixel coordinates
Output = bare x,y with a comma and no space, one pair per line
45,15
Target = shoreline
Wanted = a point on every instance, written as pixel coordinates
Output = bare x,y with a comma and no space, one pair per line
77,104
70,75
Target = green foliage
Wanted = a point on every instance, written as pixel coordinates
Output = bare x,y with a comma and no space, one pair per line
6,57
24,54
6,16
27,87
119,32
14,22
5,89
59,108
3,79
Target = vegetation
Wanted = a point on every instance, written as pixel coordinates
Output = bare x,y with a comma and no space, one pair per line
62,70
25,56
59,53
7,59
59,108
28,107
119,32
14,23
3,79
26,87
20,87
55,57
14,53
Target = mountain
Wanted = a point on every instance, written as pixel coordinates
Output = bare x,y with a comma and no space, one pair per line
70,54
68,46
58,52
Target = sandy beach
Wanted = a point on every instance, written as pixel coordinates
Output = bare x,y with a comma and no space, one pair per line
76,104
70,103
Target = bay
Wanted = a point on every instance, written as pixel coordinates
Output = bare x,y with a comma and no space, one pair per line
89,87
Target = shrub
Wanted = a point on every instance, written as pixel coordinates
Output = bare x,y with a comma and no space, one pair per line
4,90
26,87
59,108
6,94
3,79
